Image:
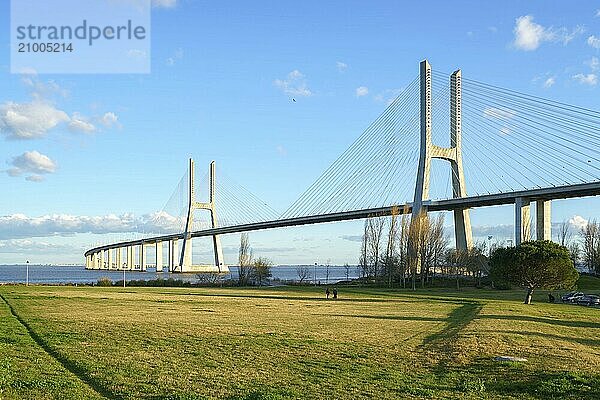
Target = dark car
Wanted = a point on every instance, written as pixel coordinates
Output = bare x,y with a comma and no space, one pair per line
589,300
571,297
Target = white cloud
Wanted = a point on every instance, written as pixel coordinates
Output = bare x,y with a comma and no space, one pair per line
505,131
598,13
29,120
530,35
41,89
33,163
499,113
549,82
586,79
35,178
35,119
341,66
27,246
594,63
19,226
294,85
362,91
164,3
80,123
578,221
594,42
109,120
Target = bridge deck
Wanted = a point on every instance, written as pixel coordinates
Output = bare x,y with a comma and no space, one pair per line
552,193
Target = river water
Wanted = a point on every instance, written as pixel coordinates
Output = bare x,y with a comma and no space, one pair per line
45,274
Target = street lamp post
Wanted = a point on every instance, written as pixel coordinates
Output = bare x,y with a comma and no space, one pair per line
490,246
27,273
315,275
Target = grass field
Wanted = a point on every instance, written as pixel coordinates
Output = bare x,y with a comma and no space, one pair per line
285,343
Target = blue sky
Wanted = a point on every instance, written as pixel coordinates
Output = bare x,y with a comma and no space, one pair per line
221,88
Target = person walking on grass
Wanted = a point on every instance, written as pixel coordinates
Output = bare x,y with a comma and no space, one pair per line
327,292
335,293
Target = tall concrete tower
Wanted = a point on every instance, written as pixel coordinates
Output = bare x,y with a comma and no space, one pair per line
185,261
452,154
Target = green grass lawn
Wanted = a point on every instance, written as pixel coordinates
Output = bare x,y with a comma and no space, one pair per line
287,343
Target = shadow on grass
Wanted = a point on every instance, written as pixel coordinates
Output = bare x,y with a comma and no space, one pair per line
68,364
551,321
457,320
386,317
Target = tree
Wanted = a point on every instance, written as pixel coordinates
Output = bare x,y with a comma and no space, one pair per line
261,270
540,264
591,246
244,260
390,261
564,233
363,262
303,272
375,227
347,268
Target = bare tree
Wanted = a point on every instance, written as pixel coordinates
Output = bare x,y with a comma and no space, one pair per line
244,260
564,234
402,249
347,268
416,238
363,262
303,272
390,261
591,246
375,227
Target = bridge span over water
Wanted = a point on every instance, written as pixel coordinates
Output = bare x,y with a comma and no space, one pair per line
519,149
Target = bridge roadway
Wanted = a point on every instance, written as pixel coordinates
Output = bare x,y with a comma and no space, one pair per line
551,193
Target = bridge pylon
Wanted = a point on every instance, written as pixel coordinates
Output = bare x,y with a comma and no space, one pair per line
185,260
452,154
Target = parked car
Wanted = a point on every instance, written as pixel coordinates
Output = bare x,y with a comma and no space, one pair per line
589,300
571,297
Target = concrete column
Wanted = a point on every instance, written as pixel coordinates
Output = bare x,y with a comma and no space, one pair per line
522,220
187,255
102,262
173,250
109,259
130,257
142,257
543,226
118,258
462,221
159,256
88,262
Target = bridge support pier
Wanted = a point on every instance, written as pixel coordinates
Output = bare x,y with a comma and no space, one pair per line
159,256
130,263
109,259
173,250
543,218
522,220
119,258
142,257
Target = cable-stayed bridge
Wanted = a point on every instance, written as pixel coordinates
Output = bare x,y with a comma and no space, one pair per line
446,143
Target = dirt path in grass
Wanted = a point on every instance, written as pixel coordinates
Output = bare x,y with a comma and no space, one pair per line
69,365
